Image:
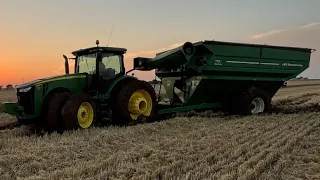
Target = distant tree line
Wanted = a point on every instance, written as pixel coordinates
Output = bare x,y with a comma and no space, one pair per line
301,78
8,87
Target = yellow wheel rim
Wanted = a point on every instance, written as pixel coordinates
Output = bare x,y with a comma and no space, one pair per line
140,103
85,115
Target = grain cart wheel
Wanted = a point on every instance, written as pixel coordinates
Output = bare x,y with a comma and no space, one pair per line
53,114
135,103
78,112
252,100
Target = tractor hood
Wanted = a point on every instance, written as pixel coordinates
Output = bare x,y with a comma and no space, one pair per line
51,78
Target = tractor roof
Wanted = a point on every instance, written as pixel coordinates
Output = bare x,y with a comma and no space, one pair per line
91,50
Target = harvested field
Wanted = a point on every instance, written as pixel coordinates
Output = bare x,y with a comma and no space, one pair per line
279,145
7,120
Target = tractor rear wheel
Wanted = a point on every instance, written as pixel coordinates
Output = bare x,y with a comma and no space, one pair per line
78,112
135,103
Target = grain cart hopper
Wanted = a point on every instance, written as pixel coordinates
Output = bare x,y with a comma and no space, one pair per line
240,78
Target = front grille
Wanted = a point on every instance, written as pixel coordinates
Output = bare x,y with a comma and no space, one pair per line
26,99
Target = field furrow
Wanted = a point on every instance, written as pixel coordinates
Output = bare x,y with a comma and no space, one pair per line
267,157
237,156
302,162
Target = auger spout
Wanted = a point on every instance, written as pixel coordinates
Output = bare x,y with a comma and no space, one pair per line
173,58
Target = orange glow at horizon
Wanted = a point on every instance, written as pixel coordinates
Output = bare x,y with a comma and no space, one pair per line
17,68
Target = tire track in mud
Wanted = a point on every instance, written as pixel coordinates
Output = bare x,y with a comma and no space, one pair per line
256,165
224,163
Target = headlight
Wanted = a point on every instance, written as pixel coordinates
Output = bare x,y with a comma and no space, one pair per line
25,89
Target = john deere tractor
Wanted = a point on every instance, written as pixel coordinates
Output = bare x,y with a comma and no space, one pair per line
99,88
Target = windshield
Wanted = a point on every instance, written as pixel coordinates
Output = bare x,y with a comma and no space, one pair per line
87,63
108,67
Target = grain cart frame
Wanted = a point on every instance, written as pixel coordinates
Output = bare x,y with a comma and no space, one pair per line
236,77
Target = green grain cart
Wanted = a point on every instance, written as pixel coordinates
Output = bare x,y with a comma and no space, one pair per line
234,77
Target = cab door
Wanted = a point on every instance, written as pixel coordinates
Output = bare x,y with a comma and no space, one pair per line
110,67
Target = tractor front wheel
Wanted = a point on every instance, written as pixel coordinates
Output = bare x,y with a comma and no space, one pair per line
54,110
135,103
78,112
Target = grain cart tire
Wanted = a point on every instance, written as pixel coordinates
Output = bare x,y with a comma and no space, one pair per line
54,110
78,112
252,100
135,103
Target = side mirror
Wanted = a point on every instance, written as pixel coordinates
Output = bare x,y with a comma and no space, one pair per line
66,64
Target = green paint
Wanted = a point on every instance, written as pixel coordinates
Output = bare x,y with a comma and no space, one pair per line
12,108
189,108
117,81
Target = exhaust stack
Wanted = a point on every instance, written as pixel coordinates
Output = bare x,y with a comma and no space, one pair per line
66,64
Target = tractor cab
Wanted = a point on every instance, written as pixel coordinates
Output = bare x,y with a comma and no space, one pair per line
101,64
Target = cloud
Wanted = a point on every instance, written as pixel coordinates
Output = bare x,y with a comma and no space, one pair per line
152,53
307,36
280,31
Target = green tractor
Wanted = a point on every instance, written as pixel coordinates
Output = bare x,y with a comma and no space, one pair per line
208,75
98,89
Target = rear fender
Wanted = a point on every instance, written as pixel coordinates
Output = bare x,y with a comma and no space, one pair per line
117,83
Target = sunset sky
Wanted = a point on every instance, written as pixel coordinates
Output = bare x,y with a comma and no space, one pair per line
34,34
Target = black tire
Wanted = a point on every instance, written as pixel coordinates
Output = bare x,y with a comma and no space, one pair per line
26,121
242,103
121,114
70,111
53,114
